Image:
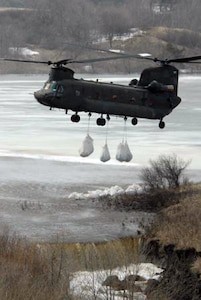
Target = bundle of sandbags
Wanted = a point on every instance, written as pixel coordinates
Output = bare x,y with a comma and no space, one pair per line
87,146
123,152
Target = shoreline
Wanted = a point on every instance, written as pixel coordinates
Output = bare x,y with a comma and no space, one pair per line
35,202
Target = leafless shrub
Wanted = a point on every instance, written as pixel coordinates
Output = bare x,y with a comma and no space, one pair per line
167,172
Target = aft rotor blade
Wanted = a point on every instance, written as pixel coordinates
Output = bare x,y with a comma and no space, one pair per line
194,62
184,59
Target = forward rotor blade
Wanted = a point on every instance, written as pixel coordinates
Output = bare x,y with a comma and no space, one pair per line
70,61
92,60
110,51
26,61
74,45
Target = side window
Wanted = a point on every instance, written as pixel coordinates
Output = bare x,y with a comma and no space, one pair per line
60,89
47,85
77,93
54,86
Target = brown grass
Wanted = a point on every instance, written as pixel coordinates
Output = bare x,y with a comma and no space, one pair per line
43,271
26,273
196,267
179,224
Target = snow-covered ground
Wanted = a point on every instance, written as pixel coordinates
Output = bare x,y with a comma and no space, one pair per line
91,284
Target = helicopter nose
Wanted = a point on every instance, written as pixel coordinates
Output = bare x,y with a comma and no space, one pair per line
177,102
38,96
41,97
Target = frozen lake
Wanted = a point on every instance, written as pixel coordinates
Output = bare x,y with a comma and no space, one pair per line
40,163
28,128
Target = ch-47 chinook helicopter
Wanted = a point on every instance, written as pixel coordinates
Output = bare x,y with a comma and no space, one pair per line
154,96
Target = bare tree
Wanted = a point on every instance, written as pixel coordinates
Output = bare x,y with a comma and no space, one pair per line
187,15
49,24
165,172
114,21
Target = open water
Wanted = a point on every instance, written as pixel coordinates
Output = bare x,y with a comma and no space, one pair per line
40,164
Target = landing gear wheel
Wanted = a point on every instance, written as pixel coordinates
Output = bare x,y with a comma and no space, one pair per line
134,121
100,122
75,118
161,124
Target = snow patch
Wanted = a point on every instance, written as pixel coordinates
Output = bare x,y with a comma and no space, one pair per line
112,191
90,283
24,51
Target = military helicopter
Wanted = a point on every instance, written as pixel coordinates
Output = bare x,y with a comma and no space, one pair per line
154,96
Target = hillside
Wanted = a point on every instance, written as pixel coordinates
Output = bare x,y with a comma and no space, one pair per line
15,3
48,28
160,42
173,241
28,3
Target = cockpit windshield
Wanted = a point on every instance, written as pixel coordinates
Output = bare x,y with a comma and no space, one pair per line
53,86
46,86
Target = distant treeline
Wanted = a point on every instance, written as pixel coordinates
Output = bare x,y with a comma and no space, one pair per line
49,24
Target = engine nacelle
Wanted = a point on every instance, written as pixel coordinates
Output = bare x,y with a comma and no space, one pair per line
156,87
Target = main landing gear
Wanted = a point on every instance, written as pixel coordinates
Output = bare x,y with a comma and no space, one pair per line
75,118
134,121
101,121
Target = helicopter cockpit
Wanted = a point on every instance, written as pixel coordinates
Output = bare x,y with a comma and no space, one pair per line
53,86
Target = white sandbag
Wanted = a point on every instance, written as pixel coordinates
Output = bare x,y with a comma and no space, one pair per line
87,146
105,154
123,152
120,155
129,155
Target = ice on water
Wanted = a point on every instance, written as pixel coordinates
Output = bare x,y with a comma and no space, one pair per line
27,127
39,157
